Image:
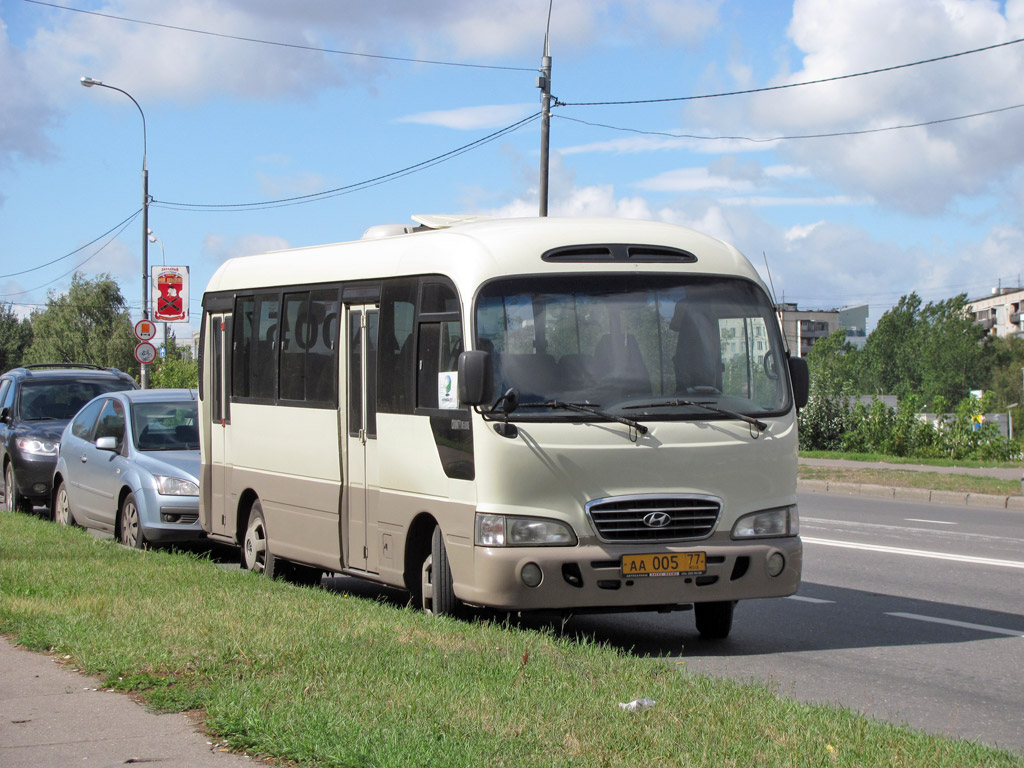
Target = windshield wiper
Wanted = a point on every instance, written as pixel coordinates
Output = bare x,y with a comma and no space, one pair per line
762,426
593,410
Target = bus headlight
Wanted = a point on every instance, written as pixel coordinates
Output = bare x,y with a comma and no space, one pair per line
514,531
769,523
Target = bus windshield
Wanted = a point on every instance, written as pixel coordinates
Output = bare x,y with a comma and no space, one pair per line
652,346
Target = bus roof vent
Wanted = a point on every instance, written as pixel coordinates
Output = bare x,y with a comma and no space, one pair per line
424,221
618,252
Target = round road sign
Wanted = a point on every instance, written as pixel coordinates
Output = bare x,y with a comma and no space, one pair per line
145,330
145,352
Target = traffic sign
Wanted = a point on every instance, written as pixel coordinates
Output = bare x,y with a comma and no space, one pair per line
145,352
145,330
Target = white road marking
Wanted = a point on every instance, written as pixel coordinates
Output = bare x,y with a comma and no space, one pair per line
917,553
803,599
964,624
933,522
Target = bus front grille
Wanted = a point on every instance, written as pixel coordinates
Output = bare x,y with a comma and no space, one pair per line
624,519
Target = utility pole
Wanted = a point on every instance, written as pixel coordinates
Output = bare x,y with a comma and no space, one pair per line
544,83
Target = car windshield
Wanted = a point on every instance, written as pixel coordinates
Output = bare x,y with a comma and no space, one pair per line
169,426
62,399
644,346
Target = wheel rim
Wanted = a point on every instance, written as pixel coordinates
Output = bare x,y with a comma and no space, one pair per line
9,489
63,511
427,585
130,524
255,550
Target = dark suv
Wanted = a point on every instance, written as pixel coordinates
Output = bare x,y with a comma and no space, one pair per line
36,402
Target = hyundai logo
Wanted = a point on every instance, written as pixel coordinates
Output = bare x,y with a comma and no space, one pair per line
657,519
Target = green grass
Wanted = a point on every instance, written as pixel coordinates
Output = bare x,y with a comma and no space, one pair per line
323,679
904,460
909,478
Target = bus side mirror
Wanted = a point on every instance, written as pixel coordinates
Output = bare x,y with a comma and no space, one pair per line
801,378
475,377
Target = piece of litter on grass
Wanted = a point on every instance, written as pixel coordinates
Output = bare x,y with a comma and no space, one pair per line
637,705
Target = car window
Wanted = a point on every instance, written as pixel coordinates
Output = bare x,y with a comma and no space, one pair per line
165,426
7,394
83,423
62,398
111,423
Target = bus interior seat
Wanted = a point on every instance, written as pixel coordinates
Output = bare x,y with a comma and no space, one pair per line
619,366
694,362
530,374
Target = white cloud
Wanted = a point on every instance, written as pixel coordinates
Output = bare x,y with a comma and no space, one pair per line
694,180
219,248
801,231
473,118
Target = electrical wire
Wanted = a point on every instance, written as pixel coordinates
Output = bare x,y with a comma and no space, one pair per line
795,137
767,88
120,228
279,44
72,253
350,188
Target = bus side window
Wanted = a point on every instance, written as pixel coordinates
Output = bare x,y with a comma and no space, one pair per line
242,352
395,364
427,369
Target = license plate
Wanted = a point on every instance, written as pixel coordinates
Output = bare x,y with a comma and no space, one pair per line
675,564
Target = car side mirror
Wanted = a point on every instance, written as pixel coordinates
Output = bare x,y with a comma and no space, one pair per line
107,443
476,374
800,375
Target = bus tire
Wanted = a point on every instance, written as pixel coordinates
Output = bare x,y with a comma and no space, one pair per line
436,588
256,555
714,620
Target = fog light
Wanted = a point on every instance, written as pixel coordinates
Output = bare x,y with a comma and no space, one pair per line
776,562
169,518
531,575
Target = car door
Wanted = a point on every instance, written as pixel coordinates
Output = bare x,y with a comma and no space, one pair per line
72,455
101,471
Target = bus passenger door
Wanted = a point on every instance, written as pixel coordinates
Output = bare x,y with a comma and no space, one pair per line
362,479
216,467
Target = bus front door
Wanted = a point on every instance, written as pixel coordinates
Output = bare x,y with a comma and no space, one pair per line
217,467
361,479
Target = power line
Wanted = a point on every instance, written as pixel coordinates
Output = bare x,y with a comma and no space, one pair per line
280,44
787,85
72,253
792,138
349,188
120,228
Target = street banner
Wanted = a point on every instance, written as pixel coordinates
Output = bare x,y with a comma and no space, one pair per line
170,294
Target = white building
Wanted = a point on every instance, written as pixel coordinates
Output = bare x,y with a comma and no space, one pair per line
1000,314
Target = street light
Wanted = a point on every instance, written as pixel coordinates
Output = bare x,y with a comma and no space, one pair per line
89,82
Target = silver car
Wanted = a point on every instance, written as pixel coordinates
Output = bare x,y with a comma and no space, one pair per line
129,465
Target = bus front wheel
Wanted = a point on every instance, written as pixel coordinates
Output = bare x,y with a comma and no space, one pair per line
436,589
714,620
256,555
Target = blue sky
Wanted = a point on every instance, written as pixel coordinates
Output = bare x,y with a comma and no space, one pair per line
844,220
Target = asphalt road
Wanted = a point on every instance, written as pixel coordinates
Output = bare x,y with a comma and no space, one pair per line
909,613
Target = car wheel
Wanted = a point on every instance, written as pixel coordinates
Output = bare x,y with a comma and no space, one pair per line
129,529
13,501
714,620
256,555
438,595
62,514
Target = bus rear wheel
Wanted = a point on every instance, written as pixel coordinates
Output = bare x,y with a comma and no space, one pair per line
256,555
437,593
714,620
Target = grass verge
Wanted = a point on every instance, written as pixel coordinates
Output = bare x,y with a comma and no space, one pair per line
909,478
320,679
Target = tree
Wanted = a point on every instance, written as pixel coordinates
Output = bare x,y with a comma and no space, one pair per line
892,352
88,324
952,358
15,337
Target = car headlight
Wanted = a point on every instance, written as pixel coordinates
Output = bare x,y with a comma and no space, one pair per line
513,531
768,523
37,447
176,486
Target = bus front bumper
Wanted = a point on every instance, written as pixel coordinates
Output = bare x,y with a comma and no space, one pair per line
589,577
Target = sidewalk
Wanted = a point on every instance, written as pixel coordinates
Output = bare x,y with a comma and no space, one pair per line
1015,502
52,717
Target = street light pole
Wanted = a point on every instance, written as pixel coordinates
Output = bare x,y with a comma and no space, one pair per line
89,82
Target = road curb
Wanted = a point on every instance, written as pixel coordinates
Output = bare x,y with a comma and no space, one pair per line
990,501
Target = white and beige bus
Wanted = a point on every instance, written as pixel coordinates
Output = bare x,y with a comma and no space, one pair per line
573,415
